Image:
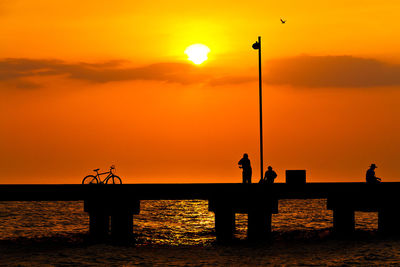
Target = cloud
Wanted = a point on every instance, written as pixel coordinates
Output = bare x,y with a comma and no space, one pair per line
301,71
232,80
19,69
331,71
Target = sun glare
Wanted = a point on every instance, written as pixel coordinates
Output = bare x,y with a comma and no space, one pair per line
197,53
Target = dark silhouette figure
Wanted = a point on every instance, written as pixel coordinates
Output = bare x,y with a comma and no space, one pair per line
244,164
283,21
370,176
270,176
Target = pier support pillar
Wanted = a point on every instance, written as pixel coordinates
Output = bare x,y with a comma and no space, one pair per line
259,224
388,222
99,224
343,221
224,224
119,208
122,226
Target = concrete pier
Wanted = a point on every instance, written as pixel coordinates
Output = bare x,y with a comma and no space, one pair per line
389,221
99,225
259,224
111,208
224,224
122,226
373,198
118,211
258,206
343,221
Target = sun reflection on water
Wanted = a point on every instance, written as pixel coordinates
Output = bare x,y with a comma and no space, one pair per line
169,222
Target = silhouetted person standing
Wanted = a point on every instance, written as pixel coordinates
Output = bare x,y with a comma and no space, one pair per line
244,164
270,176
370,176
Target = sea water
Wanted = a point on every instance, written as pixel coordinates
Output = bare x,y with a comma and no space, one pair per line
181,232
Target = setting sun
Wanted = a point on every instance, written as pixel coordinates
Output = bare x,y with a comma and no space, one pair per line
197,53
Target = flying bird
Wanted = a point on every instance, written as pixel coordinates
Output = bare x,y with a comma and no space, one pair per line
283,21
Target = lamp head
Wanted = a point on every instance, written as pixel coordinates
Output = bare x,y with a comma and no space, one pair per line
256,45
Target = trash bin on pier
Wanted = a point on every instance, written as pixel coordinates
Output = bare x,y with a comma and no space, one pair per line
296,177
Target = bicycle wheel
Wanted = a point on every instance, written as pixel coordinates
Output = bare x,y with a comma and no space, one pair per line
90,179
113,180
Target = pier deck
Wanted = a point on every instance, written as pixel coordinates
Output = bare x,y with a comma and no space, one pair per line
259,201
72,192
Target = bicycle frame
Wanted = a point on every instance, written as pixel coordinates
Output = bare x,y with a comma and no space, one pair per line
98,176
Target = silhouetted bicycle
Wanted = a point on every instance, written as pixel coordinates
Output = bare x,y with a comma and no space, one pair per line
95,179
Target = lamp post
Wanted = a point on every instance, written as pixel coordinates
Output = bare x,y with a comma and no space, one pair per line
257,46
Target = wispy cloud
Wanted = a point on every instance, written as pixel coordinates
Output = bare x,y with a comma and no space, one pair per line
232,80
302,71
331,71
16,69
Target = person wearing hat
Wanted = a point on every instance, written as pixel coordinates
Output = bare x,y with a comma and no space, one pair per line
245,165
371,178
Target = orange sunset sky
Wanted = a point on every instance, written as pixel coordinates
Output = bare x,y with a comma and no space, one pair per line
87,84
